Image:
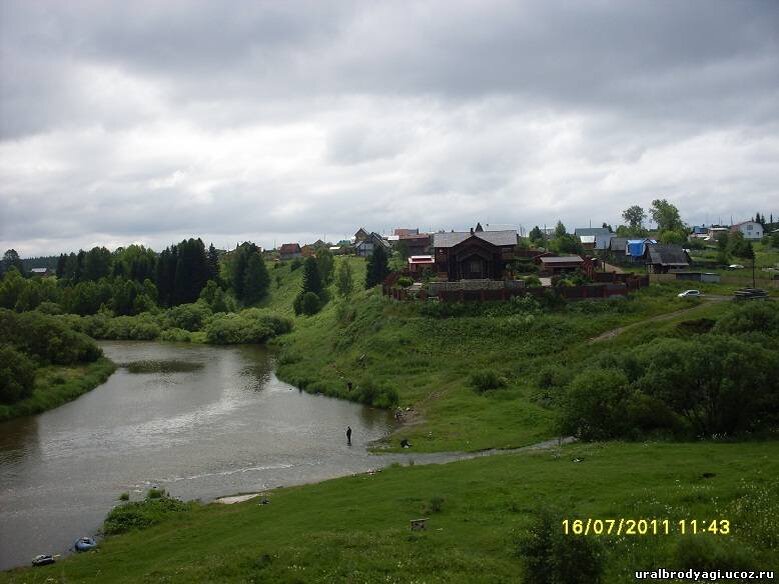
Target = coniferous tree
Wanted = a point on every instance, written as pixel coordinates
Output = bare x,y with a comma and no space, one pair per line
61,263
213,263
97,264
536,235
11,260
191,272
326,263
312,281
256,280
79,268
377,268
344,282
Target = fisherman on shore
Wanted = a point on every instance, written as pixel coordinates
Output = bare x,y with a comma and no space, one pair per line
349,435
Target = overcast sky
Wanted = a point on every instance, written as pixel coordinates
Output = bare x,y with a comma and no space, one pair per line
282,121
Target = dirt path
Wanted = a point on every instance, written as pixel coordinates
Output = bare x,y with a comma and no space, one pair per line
660,317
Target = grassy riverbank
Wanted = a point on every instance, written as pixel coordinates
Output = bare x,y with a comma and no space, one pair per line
58,384
356,529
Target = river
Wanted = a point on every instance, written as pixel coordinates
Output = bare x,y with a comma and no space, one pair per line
226,426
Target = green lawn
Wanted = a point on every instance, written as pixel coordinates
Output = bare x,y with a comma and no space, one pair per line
356,529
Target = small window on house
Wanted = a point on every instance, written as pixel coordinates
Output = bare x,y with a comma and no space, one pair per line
749,228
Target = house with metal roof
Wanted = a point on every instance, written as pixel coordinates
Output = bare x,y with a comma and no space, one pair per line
367,246
474,254
594,237
661,259
749,229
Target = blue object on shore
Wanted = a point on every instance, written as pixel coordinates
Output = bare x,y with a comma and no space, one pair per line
85,544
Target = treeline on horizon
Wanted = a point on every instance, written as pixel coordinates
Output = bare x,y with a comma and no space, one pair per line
136,279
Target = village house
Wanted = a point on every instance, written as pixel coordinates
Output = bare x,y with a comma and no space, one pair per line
749,229
661,259
594,237
474,254
289,251
366,247
41,272
361,235
617,249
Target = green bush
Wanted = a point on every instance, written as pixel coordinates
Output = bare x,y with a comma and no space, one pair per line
17,375
532,281
549,556
47,338
594,406
250,326
176,335
710,554
142,514
751,317
189,317
371,393
49,308
485,380
405,281
307,303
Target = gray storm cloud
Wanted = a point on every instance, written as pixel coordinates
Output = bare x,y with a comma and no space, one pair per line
153,121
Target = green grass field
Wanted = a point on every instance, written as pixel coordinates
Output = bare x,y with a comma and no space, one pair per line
356,529
56,385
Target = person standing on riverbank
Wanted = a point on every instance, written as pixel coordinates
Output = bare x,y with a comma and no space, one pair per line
349,435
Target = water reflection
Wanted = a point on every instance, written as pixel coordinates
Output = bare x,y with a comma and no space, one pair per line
19,439
226,427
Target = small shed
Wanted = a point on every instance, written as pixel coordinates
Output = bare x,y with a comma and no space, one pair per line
418,263
560,264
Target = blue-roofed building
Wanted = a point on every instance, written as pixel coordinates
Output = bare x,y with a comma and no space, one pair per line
636,248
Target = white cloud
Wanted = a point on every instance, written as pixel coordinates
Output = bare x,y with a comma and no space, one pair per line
276,122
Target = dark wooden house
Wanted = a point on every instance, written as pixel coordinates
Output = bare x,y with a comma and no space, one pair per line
661,259
474,254
289,251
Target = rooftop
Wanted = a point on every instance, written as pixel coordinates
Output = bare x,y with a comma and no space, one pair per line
499,238
561,259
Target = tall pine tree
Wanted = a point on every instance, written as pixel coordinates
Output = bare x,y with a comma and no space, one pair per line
377,268
256,280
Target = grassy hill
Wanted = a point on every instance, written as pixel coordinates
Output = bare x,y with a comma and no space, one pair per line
430,361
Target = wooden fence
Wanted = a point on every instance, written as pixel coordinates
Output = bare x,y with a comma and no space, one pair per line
618,285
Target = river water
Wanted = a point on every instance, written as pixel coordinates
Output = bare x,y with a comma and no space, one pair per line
226,427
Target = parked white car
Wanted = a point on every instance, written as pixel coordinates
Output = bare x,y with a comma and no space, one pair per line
736,267
690,294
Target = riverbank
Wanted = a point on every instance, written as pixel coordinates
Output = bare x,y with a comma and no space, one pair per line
56,385
358,527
